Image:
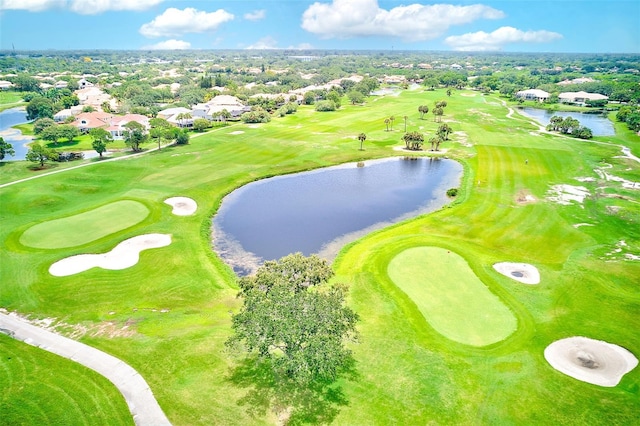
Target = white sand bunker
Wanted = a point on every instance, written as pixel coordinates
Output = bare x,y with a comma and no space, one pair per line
122,256
236,132
523,272
592,361
182,206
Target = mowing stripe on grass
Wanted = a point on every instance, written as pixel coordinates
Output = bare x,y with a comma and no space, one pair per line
85,227
450,296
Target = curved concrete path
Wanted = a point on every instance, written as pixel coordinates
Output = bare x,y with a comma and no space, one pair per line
140,399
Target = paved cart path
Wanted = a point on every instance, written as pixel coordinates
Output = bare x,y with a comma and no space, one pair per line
136,391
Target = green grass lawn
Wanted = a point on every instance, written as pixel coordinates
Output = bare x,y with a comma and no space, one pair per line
40,388
10,100
450,297
169,315
85,227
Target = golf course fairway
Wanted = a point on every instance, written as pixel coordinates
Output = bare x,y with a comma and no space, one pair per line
450,296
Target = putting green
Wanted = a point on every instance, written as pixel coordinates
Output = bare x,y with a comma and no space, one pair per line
85,227
451,297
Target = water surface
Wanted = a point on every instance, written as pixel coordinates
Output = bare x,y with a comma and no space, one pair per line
9,118
322,210
599,124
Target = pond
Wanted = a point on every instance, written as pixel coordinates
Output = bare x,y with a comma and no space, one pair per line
599,124
9,118
318,212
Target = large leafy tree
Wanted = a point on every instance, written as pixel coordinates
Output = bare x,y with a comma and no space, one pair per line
39,107
100,138
134,135
6,149
41,154
295,323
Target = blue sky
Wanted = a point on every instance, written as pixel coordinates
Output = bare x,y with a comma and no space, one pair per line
603,26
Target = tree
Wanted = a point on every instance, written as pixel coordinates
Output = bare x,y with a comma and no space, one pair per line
386,123
39,107
100,139
582,132
437,114
362,137
413,140
423,109
51,133
159,127
334,97
134,135
448,92
293,322
42,123
441,104
443,131
405,123
391,120
6,149
26,83
201,124
41,154
435,142
182,137
355,96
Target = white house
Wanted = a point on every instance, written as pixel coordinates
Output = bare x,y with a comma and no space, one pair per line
117,123
83,83
218,104
580,98
4,84
172,114
533,95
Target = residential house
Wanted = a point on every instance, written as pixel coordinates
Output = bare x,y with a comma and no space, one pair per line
83,83
580,98
4,85
218,104
172,116
86,121
533,95
117,124
64,114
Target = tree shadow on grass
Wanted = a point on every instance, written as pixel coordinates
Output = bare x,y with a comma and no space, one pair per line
294,404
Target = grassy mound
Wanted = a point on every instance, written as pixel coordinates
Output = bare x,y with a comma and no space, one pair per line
450,296
85,227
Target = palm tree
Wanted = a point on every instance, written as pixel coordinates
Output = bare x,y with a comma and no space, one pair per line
392,119
448,92
413,140
405,123
437,113
362,137
423,109
386,123
443,131
435,141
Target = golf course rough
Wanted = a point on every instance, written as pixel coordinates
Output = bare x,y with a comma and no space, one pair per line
451,297
85,227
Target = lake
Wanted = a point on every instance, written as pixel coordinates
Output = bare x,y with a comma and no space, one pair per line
320,211
9,118
599,125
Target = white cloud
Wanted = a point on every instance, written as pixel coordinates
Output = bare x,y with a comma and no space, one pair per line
94,7
482,41
357,18
256,15
31,5
169,45
84,7
263,44
175,22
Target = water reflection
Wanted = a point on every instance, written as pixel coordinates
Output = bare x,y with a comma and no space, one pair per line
600,125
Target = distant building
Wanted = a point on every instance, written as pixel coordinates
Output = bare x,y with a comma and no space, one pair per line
218,104
579,80
533,95
580,98
83,84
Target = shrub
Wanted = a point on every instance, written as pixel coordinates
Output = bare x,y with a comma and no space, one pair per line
325,106
452,192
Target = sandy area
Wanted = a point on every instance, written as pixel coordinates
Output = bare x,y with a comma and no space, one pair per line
564,194
236,132
523,272
592,361
182,206
122,256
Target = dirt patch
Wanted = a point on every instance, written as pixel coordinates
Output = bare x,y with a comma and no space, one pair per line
592,361
525,197
522,272
237,132
565,194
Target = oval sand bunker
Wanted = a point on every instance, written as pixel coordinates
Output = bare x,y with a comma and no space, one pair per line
182,206
523,272
122,256
592,361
